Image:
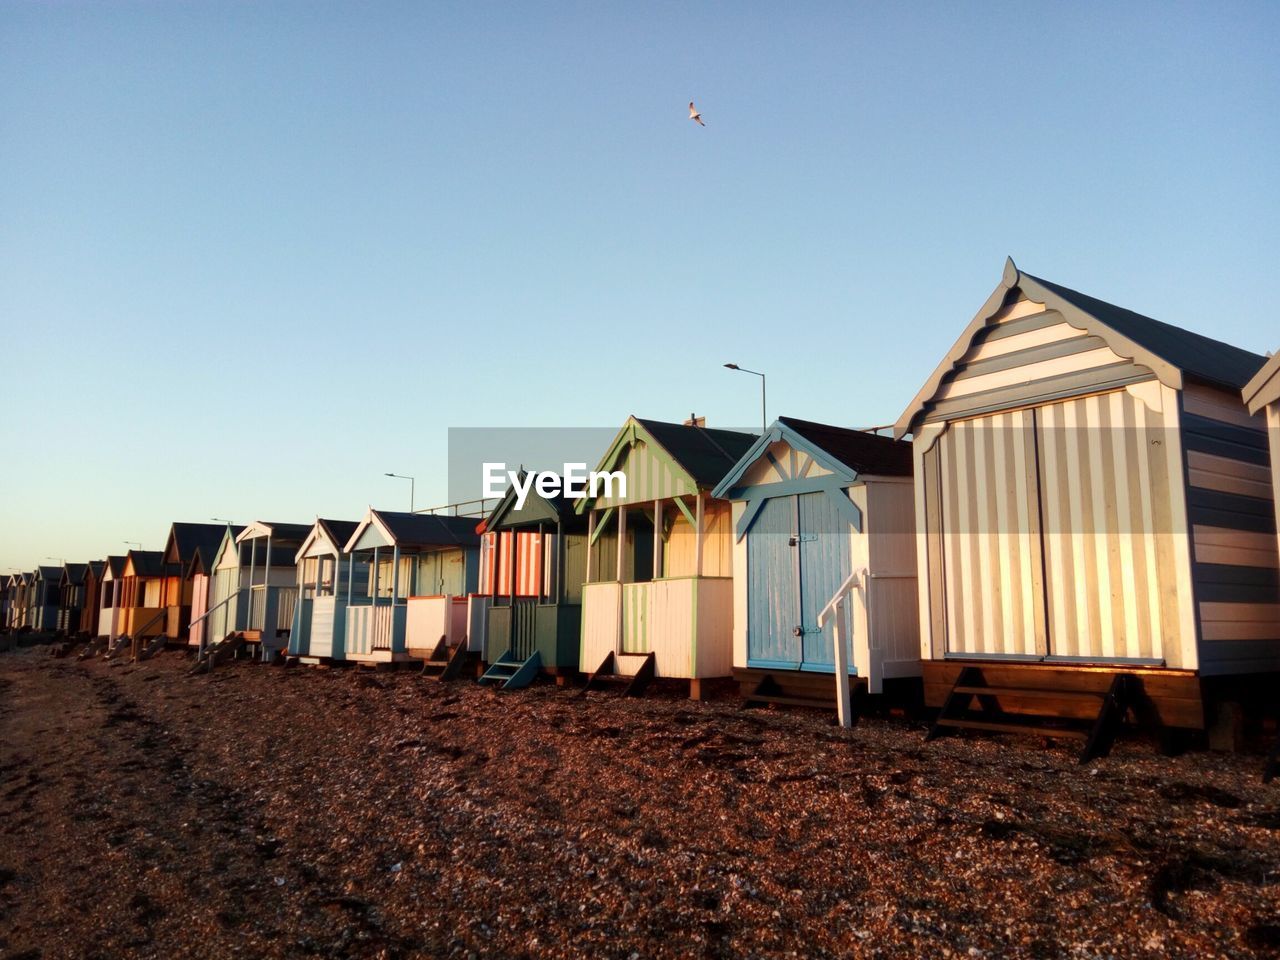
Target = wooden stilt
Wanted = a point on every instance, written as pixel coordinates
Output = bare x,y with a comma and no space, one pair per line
695,689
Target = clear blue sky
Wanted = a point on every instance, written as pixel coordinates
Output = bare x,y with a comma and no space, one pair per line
253,255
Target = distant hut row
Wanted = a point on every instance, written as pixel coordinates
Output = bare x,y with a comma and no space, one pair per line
1082,520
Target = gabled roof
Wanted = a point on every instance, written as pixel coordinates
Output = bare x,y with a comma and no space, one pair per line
146,563
701,454
536,509
704,453
282,532
95,569
73,573
417,529
49,573
1264,388
337,532
1170,352
186,538
116,566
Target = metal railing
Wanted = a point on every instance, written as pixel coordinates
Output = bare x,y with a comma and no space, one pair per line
465,508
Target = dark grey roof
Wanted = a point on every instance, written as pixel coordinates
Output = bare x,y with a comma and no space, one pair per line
288,531
49,573
190,537
117,565
706,454
864,453
340,531
147,563
1194,353
430,529
74,572
96,567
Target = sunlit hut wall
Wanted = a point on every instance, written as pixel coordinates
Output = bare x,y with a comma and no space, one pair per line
181,599
320,622
813,505
1091,490
270,581
419,569
660,565
1262,396
142,594
111,598
532,566
91,608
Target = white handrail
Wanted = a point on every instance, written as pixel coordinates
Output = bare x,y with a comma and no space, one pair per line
204,636
844,700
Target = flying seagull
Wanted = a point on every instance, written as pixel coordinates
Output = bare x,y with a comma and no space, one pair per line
695,115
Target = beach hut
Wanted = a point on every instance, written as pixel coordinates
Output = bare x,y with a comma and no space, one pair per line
200,573
71,597
1262,397
91,608
532,566
111,598
272,586
822,518
43,605
419,570
658,597
18,586
142,610
180,598
319,632
1094,514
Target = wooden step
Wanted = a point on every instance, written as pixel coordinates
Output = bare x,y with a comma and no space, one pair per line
1092,695
1065,733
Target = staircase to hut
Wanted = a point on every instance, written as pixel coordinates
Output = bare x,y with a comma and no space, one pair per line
1054,705
509,672
626,673
220,652
447,663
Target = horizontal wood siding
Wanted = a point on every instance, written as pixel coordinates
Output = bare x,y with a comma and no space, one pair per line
1232,509
1029,356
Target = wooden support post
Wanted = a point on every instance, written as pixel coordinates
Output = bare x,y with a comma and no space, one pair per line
622,539
591,540
699,523
695,689
657,539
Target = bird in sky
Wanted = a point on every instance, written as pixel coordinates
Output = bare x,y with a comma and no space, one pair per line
695,115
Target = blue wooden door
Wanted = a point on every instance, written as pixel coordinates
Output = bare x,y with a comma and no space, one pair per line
773,612
823,541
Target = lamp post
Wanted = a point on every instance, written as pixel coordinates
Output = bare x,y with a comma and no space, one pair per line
401,476
764,418
229,523
133,543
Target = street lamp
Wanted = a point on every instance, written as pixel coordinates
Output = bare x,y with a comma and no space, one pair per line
401,476
229,523
764,419
132,543
61,560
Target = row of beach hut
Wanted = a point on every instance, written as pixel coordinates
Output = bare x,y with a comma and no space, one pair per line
1076,513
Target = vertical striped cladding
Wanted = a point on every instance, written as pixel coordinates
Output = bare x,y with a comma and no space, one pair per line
651,475
1232,510
989,574
1057,531
891,560
1110,531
